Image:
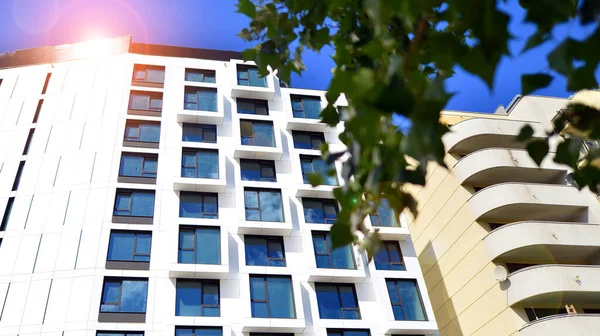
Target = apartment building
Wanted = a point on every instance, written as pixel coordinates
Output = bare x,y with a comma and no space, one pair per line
158,190
507,247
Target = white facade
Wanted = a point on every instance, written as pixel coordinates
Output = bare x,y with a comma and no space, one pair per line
54,249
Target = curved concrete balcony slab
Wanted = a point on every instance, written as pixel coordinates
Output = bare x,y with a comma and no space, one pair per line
511,202
551,284
543,241
477,133
563,324
490,166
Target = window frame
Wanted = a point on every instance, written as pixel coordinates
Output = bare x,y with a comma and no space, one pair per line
194,328
267,239
300,99
144,156
260,167
120,333
253,137
266,290
138,124
120,280
401,302
131,192
203,127
195,89
339,296
241,68
194,229
201,194
195,151
144,68
204,73
385,245
377,213
257,191
312,158
322,202
311,135
342,332
255,103
134,246
150,96
324,235
202,282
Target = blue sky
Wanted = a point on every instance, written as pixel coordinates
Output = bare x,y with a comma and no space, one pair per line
214,24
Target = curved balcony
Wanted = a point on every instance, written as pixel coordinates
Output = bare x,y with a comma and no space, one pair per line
498,165
549,284
563,324
542,242
478,133
511,202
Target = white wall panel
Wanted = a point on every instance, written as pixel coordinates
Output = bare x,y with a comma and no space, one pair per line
36,302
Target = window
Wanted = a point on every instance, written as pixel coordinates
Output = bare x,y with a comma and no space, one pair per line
200,75
199,133
406,300
264,251
271,296
200,163
17,180
314,164
258,170
197,298
248,76
306,107
198,331
308,140
142,131
326,257
255,133
250,106
119,333
263,205
200,99
145,101
337,301
389,257
28,142
7,211
384,215
348,332
135,203
319,210
200,245
138,165
198,205
148,73
129,246
124,295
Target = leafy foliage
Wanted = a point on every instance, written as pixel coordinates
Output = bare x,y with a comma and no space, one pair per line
392,58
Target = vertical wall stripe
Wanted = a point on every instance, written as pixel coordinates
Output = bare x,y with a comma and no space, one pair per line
28,211
57,169
67,208
48,140
20,111
78,246
47,300
104,104
4,304
37,253
93,166
72,106
14,87
82,133
62,87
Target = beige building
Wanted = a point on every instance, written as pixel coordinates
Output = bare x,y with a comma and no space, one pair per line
505,245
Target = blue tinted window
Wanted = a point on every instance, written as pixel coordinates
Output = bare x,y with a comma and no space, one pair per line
198,205
197,298
145,101
263,205
271,297
264,251
200,99
406,300
198,331
247,106
199,133
138,165
200,164
347,332
200,245
308,140
199,75
337,301
119,333
384,215
248,76
144,132
341,257
124,296
389,257
306,107
129,246
256,133
319,211
258,170
134,203
313,164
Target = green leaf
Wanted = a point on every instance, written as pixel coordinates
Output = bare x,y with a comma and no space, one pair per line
334,156
538,149
341,235
532,82
559,59
247,8
535,40
582,78
589,11
476,63
525,134
567,152
330,115
371,243
315,179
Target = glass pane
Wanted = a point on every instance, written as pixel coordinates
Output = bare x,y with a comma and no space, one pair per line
208,246
347,297
208,164
184,332
316,142
398,313
133,297
275,249
382,261
186,239
297,104
263,135
245,107
139,74
193,76
252,215
267,172
341,257
110,294
150,167
251,199
302,141
270,206
394,252
210,206
155,76
391,286
188,298
150,133
313,211
122,204
143,243
121,246
141,258
250,171
386,214
320,244
306,166
259,309
356,333
210,134
262,109
131,165
192,132
257,289
330,211
132,132
281,304
186,257
208,332
207,100
246,129
255,80
277,263
256,251
312,108
211,294
211,311
351,314
323,261
142,204
139,102
243,82
155,103
190,205
329,305
209,78
411,301
242,74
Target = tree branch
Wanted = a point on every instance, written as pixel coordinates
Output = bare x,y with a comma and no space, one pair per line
416,41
